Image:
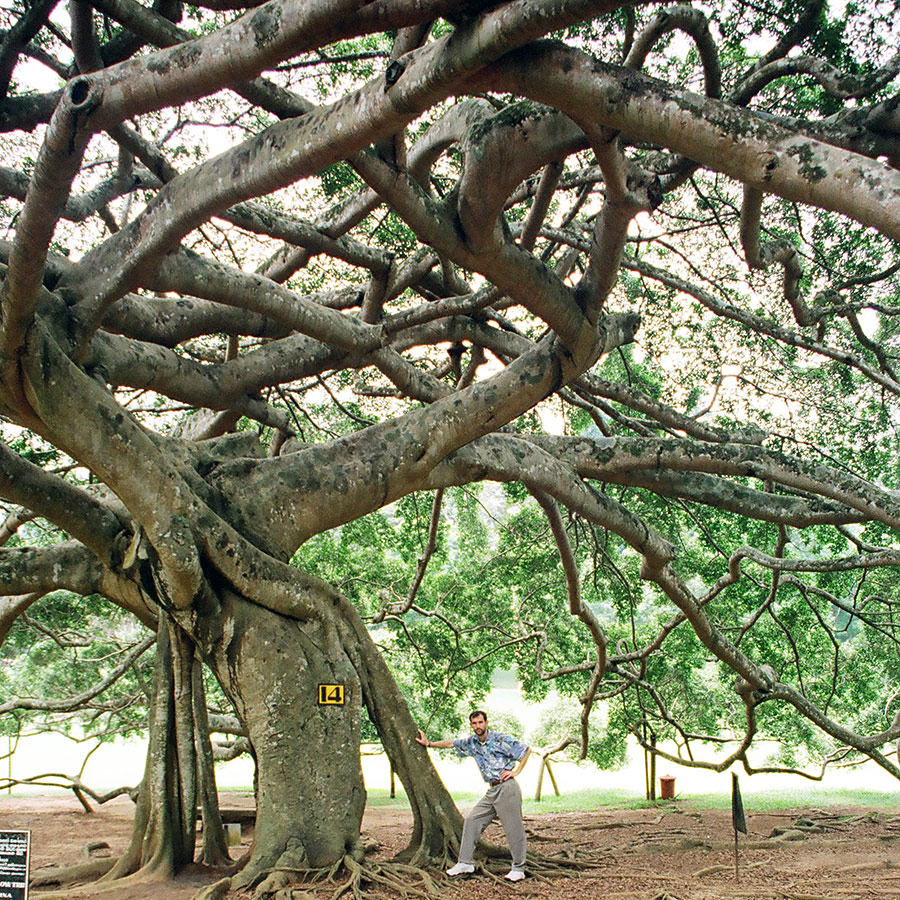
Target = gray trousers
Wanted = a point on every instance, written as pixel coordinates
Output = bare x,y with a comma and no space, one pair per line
502,801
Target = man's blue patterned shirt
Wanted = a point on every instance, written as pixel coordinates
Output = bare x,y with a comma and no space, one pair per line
493,756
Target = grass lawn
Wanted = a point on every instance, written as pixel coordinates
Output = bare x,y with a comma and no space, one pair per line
803,795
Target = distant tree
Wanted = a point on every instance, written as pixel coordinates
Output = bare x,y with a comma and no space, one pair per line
71,667
273,268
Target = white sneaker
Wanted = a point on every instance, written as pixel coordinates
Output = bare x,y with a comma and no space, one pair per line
460,869
514,875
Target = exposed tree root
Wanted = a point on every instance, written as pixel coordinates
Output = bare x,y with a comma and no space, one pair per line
572,863
348,878
91,878
86,871
352,879
215,891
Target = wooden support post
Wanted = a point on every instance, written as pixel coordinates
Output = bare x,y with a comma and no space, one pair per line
552,779
647,781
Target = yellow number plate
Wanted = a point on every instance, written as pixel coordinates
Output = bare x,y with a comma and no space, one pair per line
331,695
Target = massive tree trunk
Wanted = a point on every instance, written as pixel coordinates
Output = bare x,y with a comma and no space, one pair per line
309,787
272,635
279,668
310,792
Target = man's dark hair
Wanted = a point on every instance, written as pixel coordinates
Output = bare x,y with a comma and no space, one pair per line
478,712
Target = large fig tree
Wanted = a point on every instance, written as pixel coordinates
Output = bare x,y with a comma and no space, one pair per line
273,267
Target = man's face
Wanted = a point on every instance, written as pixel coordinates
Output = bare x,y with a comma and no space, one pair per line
479,726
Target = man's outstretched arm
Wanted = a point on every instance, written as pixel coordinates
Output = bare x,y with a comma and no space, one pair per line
446,744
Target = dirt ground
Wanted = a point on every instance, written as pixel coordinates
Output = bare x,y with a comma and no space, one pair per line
671,852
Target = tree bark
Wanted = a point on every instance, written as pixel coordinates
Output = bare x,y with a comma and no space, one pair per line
163,833
272,667
309,787
214,849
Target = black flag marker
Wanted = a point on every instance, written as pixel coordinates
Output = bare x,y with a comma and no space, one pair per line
737,806
737,819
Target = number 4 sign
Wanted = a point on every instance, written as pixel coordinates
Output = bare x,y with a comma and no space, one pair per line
331,695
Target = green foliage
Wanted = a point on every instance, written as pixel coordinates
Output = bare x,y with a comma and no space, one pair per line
607,738
338,180
36,451
489,571
64,647
505,723
392,233
350,60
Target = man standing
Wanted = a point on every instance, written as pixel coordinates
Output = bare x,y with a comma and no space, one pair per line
500,758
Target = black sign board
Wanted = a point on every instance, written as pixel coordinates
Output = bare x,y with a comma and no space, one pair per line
14,847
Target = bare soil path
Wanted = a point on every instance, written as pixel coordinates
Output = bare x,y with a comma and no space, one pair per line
671,852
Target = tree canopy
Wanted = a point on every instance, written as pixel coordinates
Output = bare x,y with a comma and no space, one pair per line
284,283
